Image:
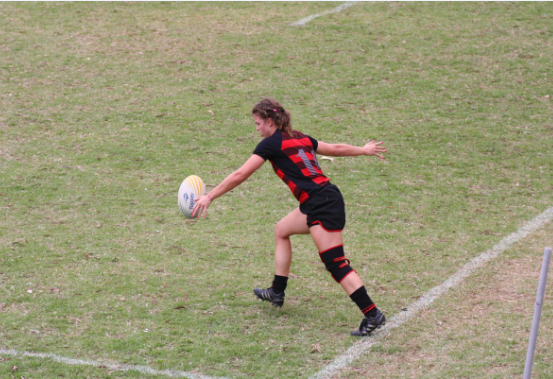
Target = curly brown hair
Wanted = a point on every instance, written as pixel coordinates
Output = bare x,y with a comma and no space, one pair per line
270,108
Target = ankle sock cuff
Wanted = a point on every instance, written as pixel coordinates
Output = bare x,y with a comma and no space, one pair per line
280,283
363,301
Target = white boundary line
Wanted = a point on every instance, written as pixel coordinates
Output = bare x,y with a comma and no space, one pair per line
424,301
335,10
358,348
111,366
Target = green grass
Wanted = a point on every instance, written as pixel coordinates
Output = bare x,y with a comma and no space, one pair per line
480,329
107,107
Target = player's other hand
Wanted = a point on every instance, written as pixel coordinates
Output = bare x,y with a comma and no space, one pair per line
375,148
202,203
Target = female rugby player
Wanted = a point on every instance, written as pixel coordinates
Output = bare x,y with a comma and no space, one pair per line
321,212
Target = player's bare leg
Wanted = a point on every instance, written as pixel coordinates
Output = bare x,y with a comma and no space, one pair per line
294,223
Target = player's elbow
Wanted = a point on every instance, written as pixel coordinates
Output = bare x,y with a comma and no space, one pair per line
336,151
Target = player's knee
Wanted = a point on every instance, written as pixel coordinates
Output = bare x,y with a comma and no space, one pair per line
336,263
281,231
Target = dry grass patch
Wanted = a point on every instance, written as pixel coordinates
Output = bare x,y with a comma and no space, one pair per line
113,104
479,330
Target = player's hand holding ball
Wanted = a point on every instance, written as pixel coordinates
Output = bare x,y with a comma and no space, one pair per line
201,206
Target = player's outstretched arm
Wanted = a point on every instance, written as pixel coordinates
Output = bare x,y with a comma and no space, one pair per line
232,181
344,150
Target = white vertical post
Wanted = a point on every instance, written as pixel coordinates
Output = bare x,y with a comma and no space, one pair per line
537,314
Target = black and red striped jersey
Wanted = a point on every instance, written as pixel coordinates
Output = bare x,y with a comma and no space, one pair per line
294,160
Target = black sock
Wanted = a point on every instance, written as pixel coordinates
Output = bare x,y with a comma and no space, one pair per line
280,283
363,301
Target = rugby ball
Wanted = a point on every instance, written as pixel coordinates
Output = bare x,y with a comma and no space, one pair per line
191,189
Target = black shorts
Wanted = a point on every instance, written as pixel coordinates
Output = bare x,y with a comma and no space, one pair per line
326,208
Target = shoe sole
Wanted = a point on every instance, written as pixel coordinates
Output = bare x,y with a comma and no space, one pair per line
273,303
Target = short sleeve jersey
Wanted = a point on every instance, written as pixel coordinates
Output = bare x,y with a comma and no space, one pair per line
295,162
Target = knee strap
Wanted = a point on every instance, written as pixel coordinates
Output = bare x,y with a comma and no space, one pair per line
336,263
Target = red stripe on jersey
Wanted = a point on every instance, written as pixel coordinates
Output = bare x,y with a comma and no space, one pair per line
303,197
301,154
298,193
321,180
288,143
311,172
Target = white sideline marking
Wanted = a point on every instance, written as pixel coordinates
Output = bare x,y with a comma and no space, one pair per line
111,366
335,10
397,320
358,348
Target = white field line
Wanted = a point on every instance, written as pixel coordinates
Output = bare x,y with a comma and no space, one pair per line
110,366
396,321
358,348
335,10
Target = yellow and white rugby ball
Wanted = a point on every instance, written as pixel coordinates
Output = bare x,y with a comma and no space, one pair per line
191,189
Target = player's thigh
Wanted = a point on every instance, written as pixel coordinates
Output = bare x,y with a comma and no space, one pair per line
324,239
294,223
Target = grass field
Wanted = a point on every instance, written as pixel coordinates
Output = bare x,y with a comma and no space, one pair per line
106,107
479,330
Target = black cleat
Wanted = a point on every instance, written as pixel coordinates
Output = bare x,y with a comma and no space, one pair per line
368,324
277,299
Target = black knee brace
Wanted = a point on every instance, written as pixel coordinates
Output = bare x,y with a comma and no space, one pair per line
336,263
